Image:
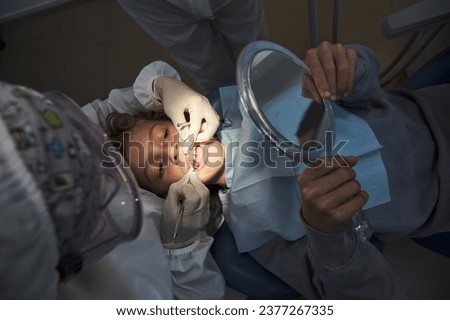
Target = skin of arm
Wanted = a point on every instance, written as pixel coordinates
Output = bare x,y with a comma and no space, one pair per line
330,194
333,70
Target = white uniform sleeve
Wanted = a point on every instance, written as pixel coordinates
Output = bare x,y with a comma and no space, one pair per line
143,86
133,99
137,269
142,269
194,273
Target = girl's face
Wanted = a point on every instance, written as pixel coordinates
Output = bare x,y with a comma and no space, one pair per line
153,151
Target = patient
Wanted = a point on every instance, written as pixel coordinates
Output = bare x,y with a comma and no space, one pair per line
306,238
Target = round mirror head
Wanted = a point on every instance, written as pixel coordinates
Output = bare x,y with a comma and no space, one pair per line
270,82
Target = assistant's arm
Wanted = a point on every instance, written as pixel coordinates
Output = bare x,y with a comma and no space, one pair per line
329,266
343,265
331,261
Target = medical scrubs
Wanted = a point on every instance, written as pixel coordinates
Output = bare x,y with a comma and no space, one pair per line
204,37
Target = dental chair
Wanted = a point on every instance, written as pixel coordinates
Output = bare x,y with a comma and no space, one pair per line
244,274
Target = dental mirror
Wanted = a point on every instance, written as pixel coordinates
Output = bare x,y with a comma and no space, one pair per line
272,87
270,83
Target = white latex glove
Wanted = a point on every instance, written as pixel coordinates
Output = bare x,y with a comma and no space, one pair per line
177,98
195,215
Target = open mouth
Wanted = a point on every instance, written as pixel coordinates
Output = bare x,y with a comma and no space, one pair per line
197,156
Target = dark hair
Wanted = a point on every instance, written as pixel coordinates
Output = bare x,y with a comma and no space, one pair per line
119,123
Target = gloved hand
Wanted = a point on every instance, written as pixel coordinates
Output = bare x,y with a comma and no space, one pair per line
177,98
195,214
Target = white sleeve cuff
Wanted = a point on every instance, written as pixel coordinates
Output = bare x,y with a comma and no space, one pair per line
143,86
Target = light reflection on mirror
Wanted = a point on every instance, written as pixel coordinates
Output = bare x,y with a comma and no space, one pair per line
276,82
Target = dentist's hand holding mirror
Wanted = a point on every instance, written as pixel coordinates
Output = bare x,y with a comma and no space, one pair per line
289,102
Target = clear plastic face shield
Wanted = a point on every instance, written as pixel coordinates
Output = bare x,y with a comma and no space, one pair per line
90,195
